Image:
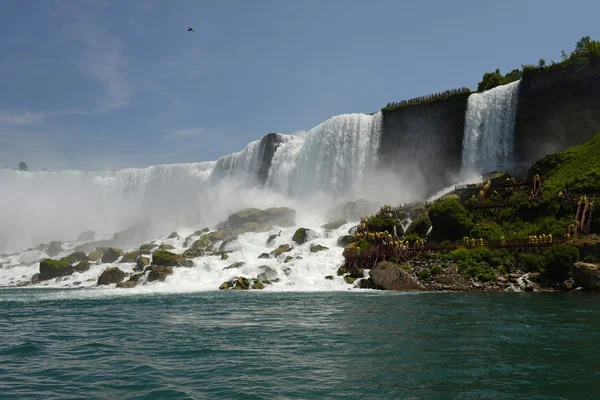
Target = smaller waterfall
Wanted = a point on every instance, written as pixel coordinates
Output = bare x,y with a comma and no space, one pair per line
489,129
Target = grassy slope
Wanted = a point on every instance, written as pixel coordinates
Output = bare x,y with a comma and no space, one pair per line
577,169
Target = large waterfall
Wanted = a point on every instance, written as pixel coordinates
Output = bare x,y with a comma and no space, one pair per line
489,129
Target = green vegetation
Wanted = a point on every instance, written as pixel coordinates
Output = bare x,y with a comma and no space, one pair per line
450,220
577,169
430,100
559,260
381,223
166,258
492,79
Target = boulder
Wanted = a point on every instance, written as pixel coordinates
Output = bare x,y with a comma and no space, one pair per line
224,256
335,224
264,256
147,248
567,285
420,225
280,216
329,277
112,255
345,240
94,256
390,276
187,264
217,236
256,284
159,273
316,248
239,283
54,249
82,266
165,258
302,235
87,236
273,237
193,252
141,263
235,265
267,274
166,246
288,259
50,269
284,248
239,218
111,275
586,276
77,256
131,282
173,235
130,257
224,243
349,280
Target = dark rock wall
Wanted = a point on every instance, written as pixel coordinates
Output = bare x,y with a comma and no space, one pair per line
266,150
424,141
556,110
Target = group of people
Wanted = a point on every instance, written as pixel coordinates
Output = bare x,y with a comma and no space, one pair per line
419,99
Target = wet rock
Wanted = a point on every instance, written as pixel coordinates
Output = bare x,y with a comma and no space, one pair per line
355,272
273,237
54,249
586,276
166,246
224,256
165,258
349,280
267,274
141,263
301,236
284,248
187,264
77,256
235,265
87,236
344,241
111,255
329,277
390,276
193,252
130,257
335,224
224,244
239,283
288,259
567,285
159,273
317,248
264,256
127,284
147,248
82,266
173,235
35,278
50,269
111,275
280,216
258,285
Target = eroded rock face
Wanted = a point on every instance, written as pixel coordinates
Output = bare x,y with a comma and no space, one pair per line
586,276
390,276
111,275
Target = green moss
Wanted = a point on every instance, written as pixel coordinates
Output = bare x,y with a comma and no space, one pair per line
419,226
166,258
317,248
50,269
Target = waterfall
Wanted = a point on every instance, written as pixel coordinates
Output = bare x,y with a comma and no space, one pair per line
489,129
334,157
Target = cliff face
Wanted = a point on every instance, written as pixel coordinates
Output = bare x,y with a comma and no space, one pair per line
424,141
556,110
267,146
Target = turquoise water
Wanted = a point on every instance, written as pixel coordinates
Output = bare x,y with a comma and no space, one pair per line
240,345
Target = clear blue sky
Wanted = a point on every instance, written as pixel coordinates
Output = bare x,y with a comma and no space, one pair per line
113,84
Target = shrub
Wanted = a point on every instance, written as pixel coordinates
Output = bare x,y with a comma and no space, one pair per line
558,261
424,274
450,220
436,270
530,262
381,223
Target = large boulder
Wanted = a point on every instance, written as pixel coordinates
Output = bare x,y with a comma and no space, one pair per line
281,216
165,258
131,282
87,236
77,256
420,225
94,256
82,266
353,210
284,248
268,273
147,248
50,269
586,276
159,273
302,235
335,224
112,255
130,257
111,275
54,249
344,241
390,276
141,263
193,252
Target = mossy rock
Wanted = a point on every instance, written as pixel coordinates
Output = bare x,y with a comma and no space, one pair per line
50,269
82,266
224,256
166,246
193,253
130,257
217,236
141,263
264,256
335,224
239,218
345,240
419,225
281,216
94,256
284,248
250,226
355,272
187,264
329,277
202,243
173,235
381,223
78,256
342,270
316,248
159,273
258,285
110,276
127,284
112,255
54,249
268,273
288,259
239,283
235,265
147,248
224,286
349,280
165,258
301,236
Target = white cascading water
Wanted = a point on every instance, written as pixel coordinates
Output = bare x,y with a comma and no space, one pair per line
331,160
489,129
334,157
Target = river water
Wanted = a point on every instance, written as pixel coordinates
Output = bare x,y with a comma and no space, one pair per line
86,343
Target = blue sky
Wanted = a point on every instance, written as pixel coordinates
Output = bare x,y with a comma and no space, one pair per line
114,84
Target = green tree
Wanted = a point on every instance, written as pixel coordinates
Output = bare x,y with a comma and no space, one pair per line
542,63
450,220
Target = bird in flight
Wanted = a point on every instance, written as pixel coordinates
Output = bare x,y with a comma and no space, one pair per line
190,29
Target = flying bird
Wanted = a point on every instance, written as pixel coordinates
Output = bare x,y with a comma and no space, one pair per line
190,29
